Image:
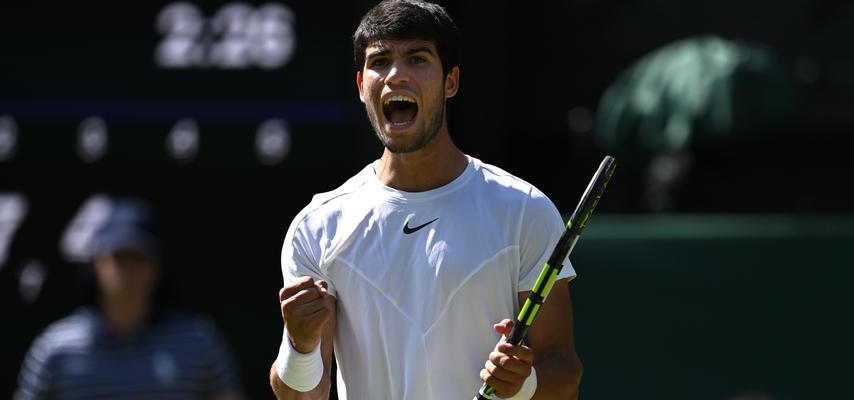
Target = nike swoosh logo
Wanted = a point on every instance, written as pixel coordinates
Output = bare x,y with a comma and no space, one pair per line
407,230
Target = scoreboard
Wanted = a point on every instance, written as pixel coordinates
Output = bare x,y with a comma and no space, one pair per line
128,97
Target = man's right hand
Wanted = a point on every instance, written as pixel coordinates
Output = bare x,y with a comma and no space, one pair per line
306,307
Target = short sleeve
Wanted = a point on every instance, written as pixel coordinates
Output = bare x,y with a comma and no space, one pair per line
34,381
541,227
300,256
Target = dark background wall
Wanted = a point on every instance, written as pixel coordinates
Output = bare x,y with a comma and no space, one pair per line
533,74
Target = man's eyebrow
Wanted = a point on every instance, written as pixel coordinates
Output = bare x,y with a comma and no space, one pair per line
419,49
382,52
378,53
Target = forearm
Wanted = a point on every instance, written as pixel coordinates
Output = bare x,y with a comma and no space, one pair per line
284,392
558,377
305,358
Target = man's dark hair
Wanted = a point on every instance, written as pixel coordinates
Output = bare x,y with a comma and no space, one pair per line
409,20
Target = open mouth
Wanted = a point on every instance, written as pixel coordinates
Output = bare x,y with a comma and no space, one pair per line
400,110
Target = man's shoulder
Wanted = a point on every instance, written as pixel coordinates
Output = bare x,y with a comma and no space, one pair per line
504,183
328,204
74,331
348,188
510,192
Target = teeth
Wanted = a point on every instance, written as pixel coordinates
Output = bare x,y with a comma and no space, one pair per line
399,98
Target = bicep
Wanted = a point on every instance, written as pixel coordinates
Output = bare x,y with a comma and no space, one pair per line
552,330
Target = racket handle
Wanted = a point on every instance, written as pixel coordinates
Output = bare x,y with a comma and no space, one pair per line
481,394
517,336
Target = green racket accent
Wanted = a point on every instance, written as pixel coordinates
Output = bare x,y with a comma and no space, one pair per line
545,283
525,309
534,312
550,283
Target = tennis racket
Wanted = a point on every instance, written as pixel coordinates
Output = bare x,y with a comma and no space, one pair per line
545,281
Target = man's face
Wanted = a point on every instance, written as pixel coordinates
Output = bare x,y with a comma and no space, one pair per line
126,273
404,91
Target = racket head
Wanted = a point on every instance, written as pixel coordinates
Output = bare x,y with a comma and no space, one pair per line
590,198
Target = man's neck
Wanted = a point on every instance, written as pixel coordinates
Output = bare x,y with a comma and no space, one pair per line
436,165
125,315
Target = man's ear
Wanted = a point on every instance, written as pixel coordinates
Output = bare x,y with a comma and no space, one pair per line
359,85
452,82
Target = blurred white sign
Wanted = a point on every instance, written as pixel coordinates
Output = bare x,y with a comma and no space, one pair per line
237,36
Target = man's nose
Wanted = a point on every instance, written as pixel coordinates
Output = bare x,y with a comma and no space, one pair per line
396,73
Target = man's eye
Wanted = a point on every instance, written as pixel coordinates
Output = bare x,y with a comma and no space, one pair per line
418,60
379,62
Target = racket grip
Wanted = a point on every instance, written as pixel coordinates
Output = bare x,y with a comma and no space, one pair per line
517,335
481,393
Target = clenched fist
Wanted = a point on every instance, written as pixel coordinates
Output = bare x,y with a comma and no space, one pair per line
306,307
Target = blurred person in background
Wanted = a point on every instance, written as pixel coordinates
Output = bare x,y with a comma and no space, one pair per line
413,266
127,342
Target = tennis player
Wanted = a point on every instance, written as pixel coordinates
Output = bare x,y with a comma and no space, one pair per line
411,269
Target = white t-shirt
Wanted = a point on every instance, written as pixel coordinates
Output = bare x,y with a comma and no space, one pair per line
420,278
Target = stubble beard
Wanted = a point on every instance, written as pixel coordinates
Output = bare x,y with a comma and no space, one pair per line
431,131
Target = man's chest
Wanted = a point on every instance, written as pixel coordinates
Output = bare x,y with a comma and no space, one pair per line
418,262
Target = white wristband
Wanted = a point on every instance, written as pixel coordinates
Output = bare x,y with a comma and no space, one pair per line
300,371
529,387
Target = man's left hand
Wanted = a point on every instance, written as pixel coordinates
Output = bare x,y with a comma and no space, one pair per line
508,365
